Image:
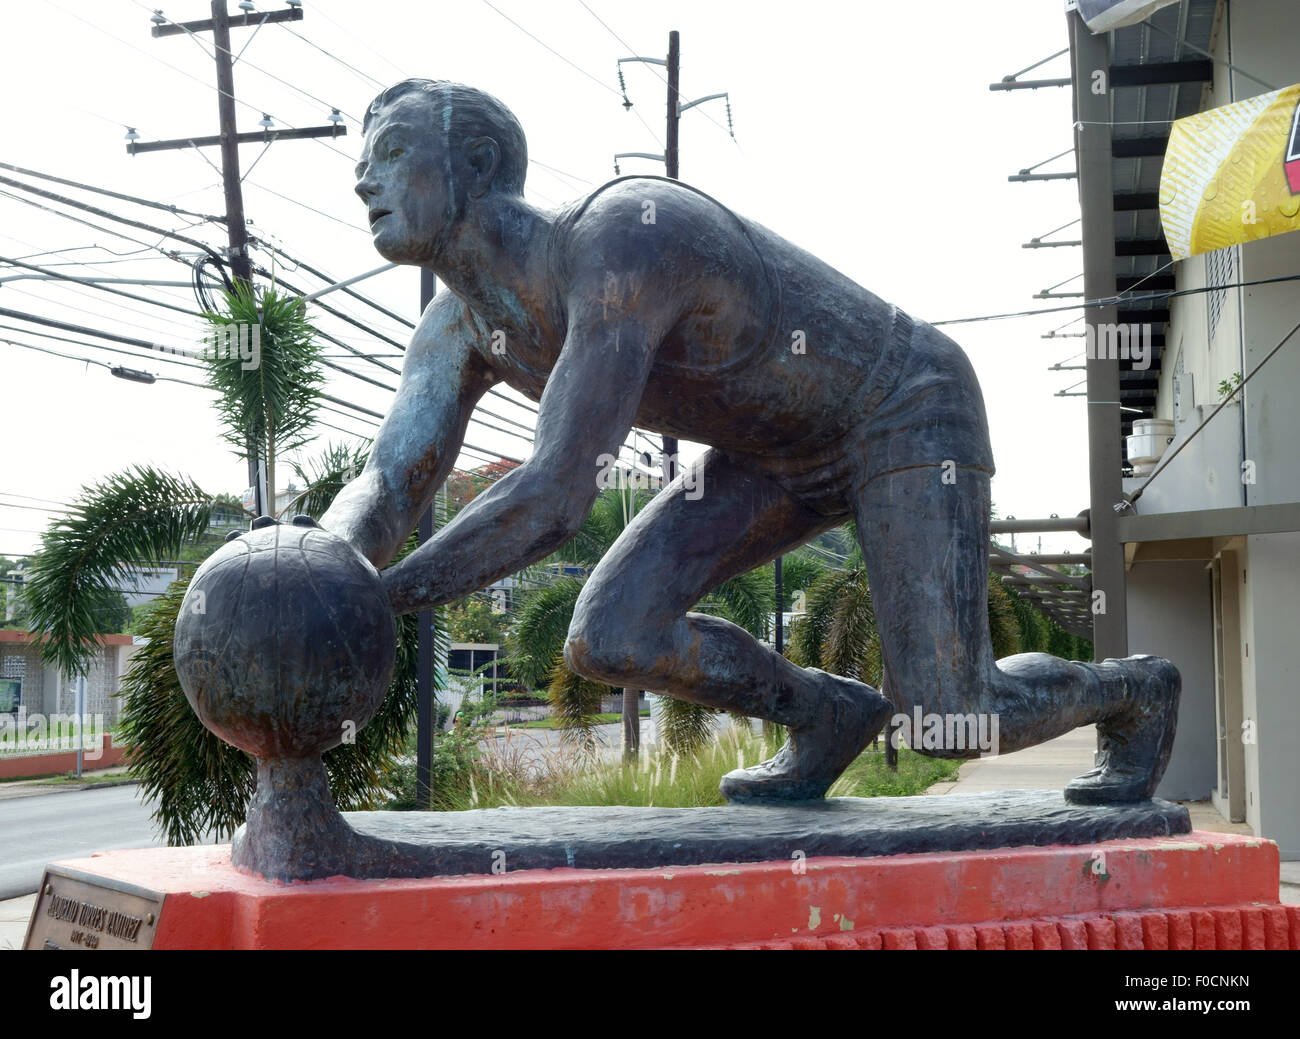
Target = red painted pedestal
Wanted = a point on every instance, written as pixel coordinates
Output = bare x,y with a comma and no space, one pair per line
1198,891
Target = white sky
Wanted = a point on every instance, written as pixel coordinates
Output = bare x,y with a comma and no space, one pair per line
866,134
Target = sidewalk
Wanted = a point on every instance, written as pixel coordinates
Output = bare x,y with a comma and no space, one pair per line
115,776
1049,766
14,915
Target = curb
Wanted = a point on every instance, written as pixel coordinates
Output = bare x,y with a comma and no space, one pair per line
37,787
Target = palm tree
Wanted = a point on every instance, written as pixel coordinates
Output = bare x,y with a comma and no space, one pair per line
143,515
270,401
536,646
839,634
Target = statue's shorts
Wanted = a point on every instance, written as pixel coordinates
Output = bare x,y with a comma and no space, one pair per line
921,407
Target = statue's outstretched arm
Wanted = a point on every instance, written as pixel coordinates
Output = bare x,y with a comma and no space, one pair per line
590,402
443,378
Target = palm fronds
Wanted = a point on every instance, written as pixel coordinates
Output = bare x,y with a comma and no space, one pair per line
324,477
748,600
852,627
575,702
839,632
684,727
200,785
535,656
138,517
1004,626
536,645
362,774
798,572
609,516
263,363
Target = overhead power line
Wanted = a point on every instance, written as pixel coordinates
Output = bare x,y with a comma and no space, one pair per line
90,283
216,47
1118,300
28,497
99,315
350,32
144,246
661,76
102,364
330,279
217,258
145,344
332,56
212,53
121,352
31,508
134,199
312,209
107,215
546,46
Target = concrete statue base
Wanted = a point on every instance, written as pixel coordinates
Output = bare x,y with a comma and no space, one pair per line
1189,890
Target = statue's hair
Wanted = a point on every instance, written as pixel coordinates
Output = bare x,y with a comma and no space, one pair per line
463,113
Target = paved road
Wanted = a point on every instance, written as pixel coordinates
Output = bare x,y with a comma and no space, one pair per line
37,830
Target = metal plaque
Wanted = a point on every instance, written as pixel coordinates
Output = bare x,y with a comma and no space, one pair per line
78,910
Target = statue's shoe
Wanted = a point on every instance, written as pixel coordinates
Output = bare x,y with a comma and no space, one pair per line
1136,741
814,756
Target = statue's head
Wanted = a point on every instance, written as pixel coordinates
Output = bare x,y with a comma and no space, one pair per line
431,149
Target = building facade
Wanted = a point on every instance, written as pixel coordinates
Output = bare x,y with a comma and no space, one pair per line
1211,539
29,683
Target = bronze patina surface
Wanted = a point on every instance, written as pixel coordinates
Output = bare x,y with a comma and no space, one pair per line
649,303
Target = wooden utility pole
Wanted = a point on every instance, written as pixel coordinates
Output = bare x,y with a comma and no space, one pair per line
229,140
240,265
674,101
424,713
669,159
671,154
670,167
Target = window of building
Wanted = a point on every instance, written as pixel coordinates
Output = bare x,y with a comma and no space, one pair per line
11,695
1220,270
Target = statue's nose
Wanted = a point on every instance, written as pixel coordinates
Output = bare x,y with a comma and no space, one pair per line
367,188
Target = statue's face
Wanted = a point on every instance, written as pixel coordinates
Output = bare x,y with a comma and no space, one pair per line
407,182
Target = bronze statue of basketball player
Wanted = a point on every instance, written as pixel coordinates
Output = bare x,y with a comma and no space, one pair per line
648,303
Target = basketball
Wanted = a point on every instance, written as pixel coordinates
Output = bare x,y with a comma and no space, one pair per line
285,641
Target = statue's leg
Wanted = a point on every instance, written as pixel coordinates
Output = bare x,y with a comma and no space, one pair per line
631,626
924,534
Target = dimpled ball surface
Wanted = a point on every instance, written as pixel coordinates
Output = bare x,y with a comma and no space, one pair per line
285,641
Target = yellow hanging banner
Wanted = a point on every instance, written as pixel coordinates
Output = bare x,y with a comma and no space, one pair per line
1232,174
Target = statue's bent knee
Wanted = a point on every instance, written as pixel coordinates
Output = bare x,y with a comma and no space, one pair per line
590,654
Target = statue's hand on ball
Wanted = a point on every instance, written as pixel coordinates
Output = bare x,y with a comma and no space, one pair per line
285,642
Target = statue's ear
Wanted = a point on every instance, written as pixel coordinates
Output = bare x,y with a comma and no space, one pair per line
484,157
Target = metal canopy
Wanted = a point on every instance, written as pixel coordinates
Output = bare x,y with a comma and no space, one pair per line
1156,77
1059,586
